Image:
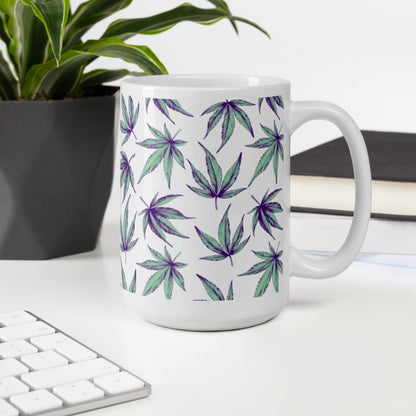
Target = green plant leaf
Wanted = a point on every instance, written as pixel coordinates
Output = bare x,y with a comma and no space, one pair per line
167,150
87,15
271,265
8,83
167,272
55,82
230,111
274,150
53,14
158,218
223,247
125,28
213,291
215,187
102,76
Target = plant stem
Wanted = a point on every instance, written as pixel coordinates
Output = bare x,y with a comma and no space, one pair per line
231,261
216,204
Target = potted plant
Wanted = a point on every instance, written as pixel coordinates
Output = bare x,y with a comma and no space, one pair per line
56,117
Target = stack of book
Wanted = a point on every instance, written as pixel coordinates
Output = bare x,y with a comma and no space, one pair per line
322,194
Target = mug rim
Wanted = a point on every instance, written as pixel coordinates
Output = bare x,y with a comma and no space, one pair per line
205,82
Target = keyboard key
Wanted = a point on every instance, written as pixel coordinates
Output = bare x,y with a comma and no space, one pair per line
24,331
121,382
6,409
11,386
11,367
36,401
15,349
45,379
66,346
16,318
43,360
79,392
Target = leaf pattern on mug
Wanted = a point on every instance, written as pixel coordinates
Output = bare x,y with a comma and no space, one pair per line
264,213
127,231
273,103
158,218
126,174
166,150
132,287
271,265
214,292
229,111
216,187
166,271
225,246
274,149
129,118
163,105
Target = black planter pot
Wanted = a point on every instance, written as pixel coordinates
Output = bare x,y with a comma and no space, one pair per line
56,168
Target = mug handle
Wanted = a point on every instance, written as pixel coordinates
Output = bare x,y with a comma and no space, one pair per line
298,114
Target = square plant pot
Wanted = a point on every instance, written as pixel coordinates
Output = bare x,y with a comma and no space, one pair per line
56,169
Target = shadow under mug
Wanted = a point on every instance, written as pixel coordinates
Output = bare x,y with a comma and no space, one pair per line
205,204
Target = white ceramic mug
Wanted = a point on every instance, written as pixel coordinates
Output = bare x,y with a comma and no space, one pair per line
205,207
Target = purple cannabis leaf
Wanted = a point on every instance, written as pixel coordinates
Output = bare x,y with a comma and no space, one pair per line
166,271
271,265
158,218
129,120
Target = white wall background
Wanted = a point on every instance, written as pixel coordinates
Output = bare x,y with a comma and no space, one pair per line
360,54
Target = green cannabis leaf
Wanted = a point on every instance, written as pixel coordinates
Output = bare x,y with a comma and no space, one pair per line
132,287
229,111
274,149
157,217
271,266
224,247
167,150
127,232
126,174
214,292
264,212
129,119
166,270
216,187
273,102
163,106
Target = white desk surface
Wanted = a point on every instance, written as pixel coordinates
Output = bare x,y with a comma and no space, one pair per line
343,346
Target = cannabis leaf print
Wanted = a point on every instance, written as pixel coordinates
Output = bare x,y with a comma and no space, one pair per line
214,292
157,217
126,174
129,118
224,247
166,149
229,111
264,213
166,271
216,187
133,283
127,231
274,150
273,102
271,265
163,105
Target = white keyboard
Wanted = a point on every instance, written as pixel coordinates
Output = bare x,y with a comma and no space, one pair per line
45,372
